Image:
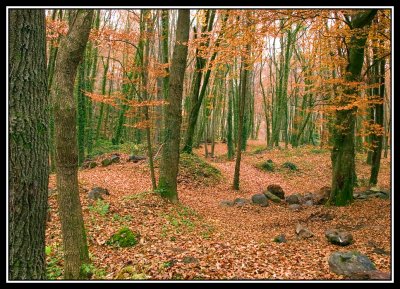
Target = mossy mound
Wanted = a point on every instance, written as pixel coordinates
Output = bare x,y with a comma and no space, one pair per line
123,238
290,166
268,166
194,168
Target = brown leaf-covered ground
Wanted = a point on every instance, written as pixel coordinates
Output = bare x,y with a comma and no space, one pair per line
198,239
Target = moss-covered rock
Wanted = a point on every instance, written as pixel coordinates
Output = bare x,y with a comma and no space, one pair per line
123,238
268,166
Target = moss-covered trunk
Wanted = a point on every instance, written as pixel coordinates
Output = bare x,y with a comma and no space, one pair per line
28,144
70,54
173,117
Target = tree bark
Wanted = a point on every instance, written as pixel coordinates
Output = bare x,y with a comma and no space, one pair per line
70,54
28,125
343,154
173,117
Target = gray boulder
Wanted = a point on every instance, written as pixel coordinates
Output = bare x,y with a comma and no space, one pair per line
136,159
352,264
308,203
276,190
303,232
97,193
240,202
339,237
294,199
272,197
260,199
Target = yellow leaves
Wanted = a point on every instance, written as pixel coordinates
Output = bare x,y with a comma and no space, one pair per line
55,28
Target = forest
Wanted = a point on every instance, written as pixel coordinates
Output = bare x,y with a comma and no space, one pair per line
199,144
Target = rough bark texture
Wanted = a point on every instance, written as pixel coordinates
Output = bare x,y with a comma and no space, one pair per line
70,53
343,154
28,144
173,116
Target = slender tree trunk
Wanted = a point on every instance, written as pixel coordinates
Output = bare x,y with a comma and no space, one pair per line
243,82
28,126
173,118
378,138
343,154
70,53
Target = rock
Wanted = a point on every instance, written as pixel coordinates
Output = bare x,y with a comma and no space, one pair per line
190,259
294,199
308,196
106,162
295,207
308,203
352,264
276,190
272,197
280,239
89,164
320,199
290,166
97,193
339,237
115,158
240,202
226,203
136,159
303,232
378,275
260,199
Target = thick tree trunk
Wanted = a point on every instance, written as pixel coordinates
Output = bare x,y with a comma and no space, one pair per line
70,53
173,117
343,155
28,125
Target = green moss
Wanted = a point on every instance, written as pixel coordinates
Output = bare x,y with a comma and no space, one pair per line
259,150
193,167
123,238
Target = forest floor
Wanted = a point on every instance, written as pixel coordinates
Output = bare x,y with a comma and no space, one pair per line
198,239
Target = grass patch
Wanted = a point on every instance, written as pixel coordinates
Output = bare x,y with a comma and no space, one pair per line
258,150
54,257
103,146
290,166
138,196
101,207
196,169
319,151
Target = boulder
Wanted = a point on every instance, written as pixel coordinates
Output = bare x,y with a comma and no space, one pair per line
136,159
276,190
260,199
115,158
97,193
272,197
294,199
240,202
303,232
280,239
295,207
226,203
352,264
89,164
308,203
339,237
308,196
106,162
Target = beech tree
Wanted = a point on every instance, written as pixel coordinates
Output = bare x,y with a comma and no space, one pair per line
167,185
70,53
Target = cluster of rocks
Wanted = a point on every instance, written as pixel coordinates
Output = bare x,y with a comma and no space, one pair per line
373,192
89,164
114,158
136,159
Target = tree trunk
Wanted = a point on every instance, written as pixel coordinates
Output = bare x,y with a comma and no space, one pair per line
242,99
70,53
173,117
343,155
28,125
